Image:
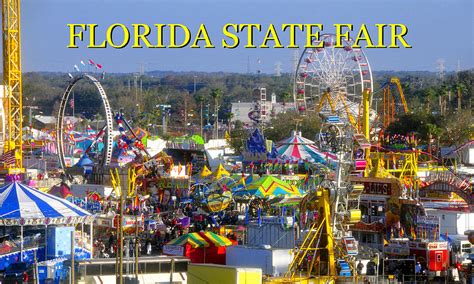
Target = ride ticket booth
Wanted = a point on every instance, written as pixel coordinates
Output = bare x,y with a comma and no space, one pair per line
434,254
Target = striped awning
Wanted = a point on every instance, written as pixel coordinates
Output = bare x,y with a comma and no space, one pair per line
194,239
217,240
201,239
24,205
298,148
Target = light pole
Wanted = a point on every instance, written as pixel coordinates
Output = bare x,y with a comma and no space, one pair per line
377,268
201,118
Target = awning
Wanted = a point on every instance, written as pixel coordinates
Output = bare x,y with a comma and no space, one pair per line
194,239
217,240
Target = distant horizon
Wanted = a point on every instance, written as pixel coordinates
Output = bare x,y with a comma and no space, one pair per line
239,73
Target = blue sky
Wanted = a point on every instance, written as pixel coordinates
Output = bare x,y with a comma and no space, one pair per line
437,29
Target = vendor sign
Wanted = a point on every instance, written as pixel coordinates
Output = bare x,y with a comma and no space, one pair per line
173,250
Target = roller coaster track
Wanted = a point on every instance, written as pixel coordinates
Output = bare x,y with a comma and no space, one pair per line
443,179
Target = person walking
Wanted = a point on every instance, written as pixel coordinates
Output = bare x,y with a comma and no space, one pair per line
148,247
360,267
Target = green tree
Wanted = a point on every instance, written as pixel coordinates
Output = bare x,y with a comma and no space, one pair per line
430,99
238,136
284,123
286,97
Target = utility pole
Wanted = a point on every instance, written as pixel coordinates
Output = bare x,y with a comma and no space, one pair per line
135,85
441,68
185,113
164,113
201,117
278,69
30,116
216,111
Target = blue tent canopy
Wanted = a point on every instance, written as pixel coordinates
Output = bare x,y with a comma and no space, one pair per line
24,205
256,142
85,161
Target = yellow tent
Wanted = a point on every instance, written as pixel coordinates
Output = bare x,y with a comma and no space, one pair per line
205,172
220,172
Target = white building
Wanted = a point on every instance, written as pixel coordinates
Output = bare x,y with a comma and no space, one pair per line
269,108
454,222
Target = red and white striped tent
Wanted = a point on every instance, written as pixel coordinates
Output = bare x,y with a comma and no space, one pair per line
298,148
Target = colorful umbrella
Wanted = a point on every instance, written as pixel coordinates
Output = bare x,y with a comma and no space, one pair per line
272,186
298,148
194,239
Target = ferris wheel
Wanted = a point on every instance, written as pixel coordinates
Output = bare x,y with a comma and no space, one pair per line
332,80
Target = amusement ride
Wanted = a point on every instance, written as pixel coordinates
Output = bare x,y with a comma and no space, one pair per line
337,83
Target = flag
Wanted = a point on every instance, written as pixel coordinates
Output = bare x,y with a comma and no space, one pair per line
98,66
413,233
136,203
83,64
76,68
103,75
9,158
190,169
91,62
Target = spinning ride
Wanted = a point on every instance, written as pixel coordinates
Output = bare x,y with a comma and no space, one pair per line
215,196
332,80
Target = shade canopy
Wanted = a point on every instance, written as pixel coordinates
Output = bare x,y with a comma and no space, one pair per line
24,205
220,172
201,239
194,239
298,148
205,172
217,240
270,186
